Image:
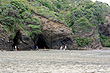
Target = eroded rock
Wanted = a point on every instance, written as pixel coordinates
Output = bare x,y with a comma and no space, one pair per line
86,34
29,43
6,42
56,34
104,29
4,39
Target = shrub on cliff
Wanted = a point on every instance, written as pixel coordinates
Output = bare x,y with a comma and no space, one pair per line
105,41
83,41
21,7
82,25
9,14
17,16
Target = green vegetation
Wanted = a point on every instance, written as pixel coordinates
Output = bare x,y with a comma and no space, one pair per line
17,15
83,41
85,14
83,24
105,41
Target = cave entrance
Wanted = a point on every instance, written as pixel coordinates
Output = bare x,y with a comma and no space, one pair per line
41,43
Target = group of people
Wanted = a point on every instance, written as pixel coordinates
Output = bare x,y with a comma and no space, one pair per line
61,48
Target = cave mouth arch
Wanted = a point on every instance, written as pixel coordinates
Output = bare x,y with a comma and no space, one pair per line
41,43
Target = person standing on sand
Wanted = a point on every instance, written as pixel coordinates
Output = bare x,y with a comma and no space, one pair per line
65,48
15,48
36,47
44,48
61,48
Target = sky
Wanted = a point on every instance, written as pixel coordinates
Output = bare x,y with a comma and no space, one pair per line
106,1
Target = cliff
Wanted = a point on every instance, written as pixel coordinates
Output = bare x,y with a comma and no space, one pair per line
104,30
86,34
79,24
56,33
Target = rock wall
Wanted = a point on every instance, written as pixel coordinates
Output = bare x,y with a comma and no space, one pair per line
56,33
104,29
28,46
4,39
91,34
6,42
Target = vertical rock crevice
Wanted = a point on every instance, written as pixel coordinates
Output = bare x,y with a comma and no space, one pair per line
17,39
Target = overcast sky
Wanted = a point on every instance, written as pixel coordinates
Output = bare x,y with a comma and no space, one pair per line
106,1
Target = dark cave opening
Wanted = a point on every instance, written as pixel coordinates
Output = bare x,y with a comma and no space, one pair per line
41,43
17,39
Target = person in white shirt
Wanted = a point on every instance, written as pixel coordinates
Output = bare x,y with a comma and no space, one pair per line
65,48
61,48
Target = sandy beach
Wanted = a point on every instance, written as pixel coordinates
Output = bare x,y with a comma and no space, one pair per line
55,61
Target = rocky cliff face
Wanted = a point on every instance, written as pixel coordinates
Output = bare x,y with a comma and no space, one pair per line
6,41
86,35
28,46
56,34
104,29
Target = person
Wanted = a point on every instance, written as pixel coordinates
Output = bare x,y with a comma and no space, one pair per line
36,47
44,48
61,48
15,48
65,48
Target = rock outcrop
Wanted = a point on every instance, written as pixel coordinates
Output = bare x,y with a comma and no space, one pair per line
104,29
6,41
28,46
87,35
56,34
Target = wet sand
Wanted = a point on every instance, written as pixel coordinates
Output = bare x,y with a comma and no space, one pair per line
55,61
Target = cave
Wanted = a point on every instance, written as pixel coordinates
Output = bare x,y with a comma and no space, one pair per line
41,43
66,41
17,39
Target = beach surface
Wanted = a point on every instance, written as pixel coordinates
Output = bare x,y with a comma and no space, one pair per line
55,61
